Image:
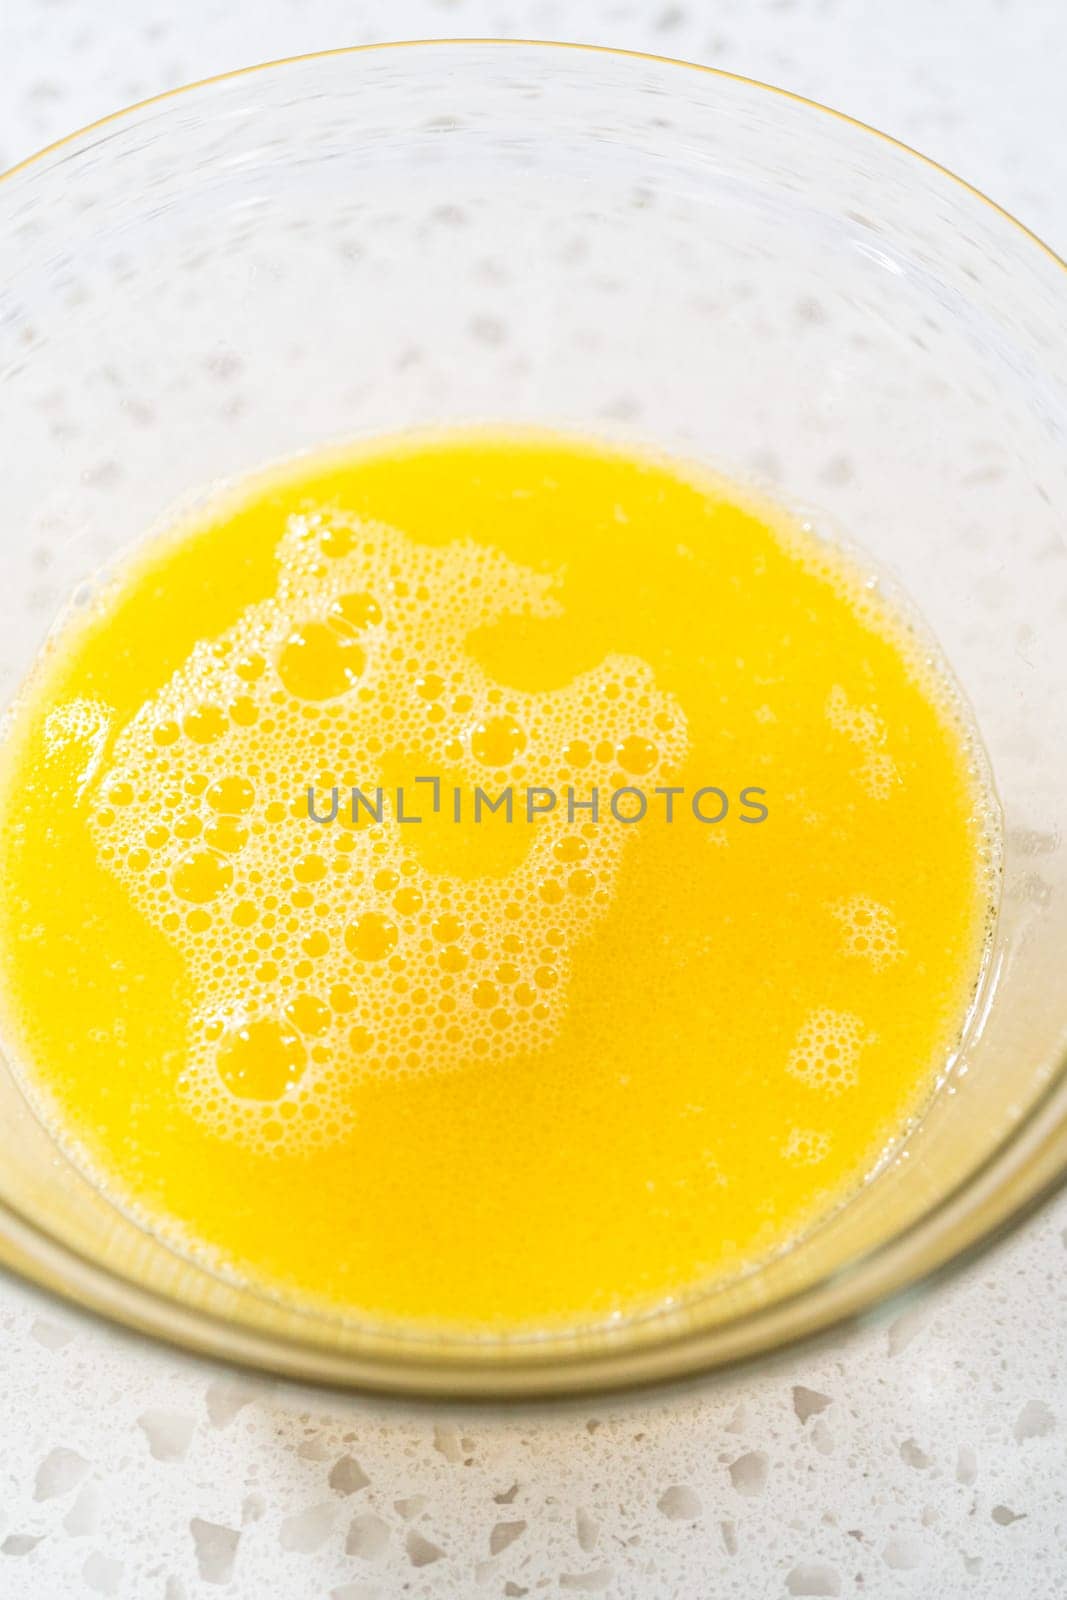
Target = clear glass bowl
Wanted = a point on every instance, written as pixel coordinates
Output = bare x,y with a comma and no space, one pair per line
464,231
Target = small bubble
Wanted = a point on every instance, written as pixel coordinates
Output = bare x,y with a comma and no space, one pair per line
335,541
497,741
308,1015
355,612
430,685
637,756
251,667
226,834
243,711
319,663
201,876
230,796
261,1061
371,937
204,725
342,998
309,868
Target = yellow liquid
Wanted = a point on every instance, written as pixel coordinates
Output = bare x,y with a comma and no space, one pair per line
490,1074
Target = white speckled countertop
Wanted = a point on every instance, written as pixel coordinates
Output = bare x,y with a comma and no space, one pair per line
923,1457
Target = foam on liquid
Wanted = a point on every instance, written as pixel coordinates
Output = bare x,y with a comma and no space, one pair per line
320,956
486,1074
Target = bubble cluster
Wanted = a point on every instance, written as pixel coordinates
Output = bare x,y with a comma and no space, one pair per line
319,954
806,1147
875,601
827,1050
869,932
83,725
877,772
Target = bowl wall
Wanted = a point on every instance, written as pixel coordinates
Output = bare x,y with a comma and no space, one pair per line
464,232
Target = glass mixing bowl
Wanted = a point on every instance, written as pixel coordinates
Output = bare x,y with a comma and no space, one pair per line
453,232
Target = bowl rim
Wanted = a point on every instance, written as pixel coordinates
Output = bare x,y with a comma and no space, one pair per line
832,1304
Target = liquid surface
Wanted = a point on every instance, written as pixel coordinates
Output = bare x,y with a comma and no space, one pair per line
477,1069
